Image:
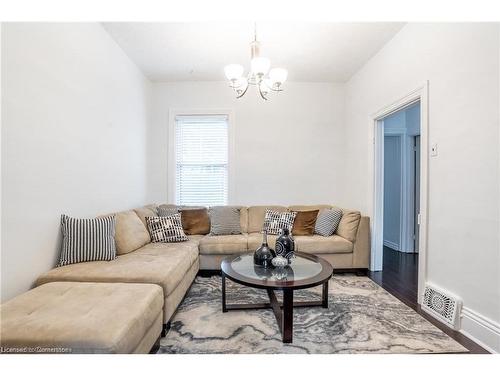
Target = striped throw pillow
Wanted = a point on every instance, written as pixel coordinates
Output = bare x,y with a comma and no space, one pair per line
166,228
224,220
275,221
327,222
87,240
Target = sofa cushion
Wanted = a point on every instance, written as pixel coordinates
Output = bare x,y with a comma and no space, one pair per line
256,216
164,264
83,317
195,221
149,210
348,226
131,233
322,245
195,238
304,223
230,244
244,219
255,240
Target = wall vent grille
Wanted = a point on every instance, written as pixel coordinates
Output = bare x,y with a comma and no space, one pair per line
442,305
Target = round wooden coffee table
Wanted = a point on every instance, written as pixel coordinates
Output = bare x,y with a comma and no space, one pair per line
305,271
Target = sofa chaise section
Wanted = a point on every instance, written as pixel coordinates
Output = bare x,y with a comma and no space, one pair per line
74,317
171,266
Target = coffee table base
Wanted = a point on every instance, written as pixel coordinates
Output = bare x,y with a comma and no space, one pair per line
282,311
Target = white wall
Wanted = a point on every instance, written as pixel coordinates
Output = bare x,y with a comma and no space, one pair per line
74,121
461,62
289,150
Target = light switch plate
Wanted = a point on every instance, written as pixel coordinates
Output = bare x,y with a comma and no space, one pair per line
434,149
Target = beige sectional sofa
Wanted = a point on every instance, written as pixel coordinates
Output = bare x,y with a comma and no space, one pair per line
119,306
173,266
58,317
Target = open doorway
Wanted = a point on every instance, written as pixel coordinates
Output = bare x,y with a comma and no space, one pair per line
401,201
416,100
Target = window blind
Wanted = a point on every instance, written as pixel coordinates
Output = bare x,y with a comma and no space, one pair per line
201,160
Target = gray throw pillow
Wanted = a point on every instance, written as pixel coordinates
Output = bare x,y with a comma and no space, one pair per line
170,209
224,220
327,222
167,210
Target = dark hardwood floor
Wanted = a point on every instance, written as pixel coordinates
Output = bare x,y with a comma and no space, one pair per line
400,277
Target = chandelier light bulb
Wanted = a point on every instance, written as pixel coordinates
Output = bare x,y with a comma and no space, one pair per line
278,76
233,71
264,89
260,66
265,86
241,83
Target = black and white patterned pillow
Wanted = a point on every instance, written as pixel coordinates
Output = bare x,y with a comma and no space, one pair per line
275,221
327,222
87,240
166,228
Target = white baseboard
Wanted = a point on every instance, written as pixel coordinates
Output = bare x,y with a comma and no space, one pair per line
480,329
392,245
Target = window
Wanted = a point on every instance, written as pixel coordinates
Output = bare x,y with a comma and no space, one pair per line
201,160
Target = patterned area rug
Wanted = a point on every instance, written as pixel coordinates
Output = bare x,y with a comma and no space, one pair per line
361,318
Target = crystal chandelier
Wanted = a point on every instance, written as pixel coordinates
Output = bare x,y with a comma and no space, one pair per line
259,67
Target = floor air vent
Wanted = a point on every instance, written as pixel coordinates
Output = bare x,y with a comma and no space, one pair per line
442,306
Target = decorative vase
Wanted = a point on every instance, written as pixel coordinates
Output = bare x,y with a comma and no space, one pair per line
264,255
285,245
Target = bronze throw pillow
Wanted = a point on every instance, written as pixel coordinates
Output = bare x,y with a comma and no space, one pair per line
195,221
304,223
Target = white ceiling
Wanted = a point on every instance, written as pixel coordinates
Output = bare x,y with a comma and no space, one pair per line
312,52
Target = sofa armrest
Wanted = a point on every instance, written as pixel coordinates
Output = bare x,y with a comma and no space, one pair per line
361,250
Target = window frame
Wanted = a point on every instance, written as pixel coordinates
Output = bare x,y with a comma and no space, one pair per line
171,149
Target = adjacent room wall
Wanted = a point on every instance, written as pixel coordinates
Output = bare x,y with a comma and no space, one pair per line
393,180
289,150
399,182
74,122
461,63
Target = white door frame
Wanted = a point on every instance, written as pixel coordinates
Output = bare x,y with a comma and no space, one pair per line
419,94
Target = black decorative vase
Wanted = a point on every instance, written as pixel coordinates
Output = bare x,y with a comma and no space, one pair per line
264,254
285,245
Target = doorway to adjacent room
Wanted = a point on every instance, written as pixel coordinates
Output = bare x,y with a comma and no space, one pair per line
398,197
